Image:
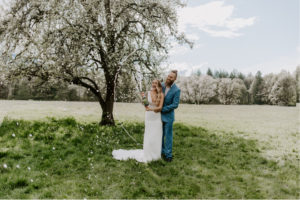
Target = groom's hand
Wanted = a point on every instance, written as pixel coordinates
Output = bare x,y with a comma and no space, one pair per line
156,110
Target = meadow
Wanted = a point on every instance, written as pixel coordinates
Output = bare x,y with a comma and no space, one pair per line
57,150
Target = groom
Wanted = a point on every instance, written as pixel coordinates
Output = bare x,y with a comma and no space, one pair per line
172,98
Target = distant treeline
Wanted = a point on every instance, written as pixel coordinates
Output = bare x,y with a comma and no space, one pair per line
221,87
218,87
34,89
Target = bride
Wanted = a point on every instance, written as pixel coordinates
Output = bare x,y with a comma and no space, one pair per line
153,129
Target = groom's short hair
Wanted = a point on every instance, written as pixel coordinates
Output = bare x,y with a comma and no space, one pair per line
175,72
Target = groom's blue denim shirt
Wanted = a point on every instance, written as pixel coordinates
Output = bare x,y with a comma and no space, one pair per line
171,102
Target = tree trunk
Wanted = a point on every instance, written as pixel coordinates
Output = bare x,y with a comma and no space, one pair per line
10,91
107,114
107,107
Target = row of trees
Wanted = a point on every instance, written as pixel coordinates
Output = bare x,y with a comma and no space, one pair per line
236,88
273,89
35,89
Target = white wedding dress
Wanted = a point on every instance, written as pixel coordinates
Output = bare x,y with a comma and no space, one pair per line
152,139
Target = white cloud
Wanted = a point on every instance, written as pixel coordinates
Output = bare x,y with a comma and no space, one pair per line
214,18
288,63
192,37
178,49
186,69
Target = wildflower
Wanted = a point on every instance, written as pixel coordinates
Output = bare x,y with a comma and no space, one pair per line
18,166
4,165
53,148
13,135
29,168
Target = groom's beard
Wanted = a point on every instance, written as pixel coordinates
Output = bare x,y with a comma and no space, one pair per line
169,83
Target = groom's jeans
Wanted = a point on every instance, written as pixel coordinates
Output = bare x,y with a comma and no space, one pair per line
168,142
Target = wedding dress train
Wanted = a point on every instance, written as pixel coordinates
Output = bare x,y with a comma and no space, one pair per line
152,139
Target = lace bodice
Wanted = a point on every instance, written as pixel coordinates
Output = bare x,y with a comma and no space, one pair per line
151,104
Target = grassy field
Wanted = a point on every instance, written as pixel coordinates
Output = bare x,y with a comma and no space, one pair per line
275,128
220,152
67,159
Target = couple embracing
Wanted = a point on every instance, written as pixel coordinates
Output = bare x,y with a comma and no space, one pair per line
159,117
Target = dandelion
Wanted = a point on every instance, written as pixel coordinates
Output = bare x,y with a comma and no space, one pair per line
5,165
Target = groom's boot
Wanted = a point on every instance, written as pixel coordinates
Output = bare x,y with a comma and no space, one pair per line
168,159
165,158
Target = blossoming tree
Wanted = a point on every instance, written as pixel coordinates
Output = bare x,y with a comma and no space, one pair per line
80,41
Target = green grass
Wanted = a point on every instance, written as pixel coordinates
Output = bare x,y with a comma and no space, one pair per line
68,159
276,128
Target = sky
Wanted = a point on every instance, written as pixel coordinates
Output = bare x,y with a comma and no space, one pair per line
246,35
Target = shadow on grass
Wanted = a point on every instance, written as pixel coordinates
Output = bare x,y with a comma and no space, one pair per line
67,159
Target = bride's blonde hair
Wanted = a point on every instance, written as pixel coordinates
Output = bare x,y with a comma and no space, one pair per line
159,91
